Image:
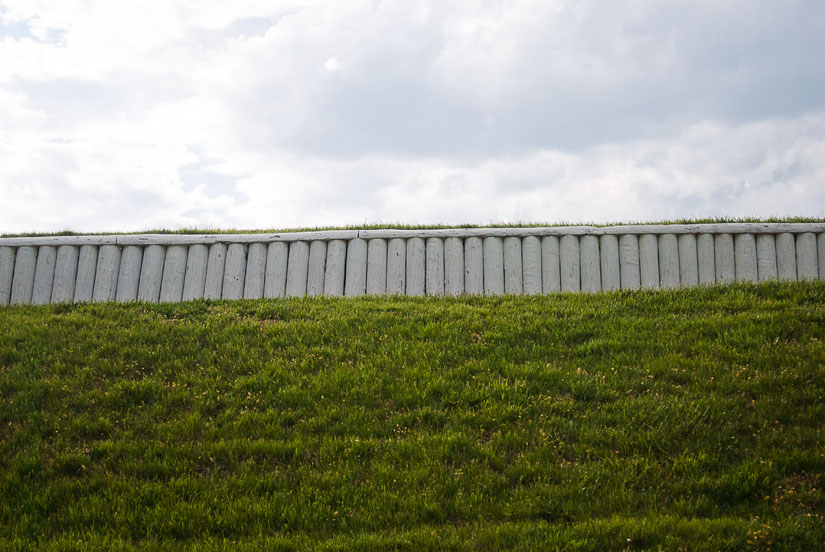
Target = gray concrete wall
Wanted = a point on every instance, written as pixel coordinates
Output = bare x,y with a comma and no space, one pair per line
481,261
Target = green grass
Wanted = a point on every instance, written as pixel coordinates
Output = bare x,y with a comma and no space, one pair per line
676,420
404,226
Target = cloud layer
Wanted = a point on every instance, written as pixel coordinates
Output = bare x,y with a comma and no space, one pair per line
261,114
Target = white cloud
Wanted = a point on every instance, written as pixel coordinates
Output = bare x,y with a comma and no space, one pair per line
332,65
253,113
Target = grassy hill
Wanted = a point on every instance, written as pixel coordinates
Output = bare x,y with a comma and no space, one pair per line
677,420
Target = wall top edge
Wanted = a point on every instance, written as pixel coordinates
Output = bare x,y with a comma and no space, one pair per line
389,233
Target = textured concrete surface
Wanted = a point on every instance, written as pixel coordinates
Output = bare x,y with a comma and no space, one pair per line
513,266
44,275
107,273
745,254
434,267
174,270
255,271
297,269
609,259
355,280
415,266
629,267
493,250
196,260
453,266
234,271
129,273
569,260
317,267
336,268
65,274
396,266
151,273
413,262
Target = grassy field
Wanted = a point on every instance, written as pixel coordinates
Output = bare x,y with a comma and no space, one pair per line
677,420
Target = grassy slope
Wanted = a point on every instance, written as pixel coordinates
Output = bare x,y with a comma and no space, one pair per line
195,230
687,420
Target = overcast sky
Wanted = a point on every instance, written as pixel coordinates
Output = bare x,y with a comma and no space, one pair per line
126,116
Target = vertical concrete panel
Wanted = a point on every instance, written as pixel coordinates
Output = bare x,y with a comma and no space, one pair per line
253,286
473,266
513,266
23,280
493,266
590,264
820,254
151,273
705,252
745,255
609,253
649,261
806,256
234,271
766,257
317,266
129,277
550,265
277,256
415,266
86,269
336,268
725,258
108,270
668,261
434,280
377,266
7,255
49,273
355,282
629,262
454,266
215,265
44,275
688,261
785,257
65,274
531,260
297,269
195,280
396,266
570,263
174,271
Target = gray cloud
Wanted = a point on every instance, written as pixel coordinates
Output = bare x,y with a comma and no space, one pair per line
569,79
317,113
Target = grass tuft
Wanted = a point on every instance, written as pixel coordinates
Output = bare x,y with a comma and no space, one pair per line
407,226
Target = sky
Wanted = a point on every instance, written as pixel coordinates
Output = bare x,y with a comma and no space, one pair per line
130,116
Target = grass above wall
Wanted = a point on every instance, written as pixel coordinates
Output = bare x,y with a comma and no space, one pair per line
680,420
403,226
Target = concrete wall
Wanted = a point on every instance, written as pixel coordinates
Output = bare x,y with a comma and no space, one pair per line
485,261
